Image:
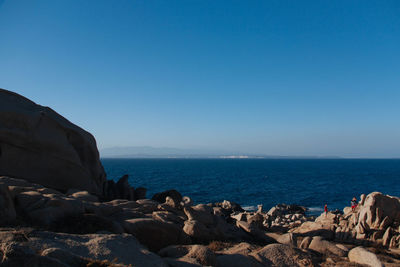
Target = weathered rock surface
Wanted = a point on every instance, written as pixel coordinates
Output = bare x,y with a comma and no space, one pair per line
287,239
326,247
155,234
282,255
378,206
45,209
123,249
310,228
362,256
305,243
190,254
41,146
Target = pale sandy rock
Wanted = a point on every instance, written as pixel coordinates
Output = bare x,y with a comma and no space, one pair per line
256,219
362,256
17,186
53,151
310,228
287,239
327,218
342,247
347,210
255,232
125,249
67,248
362,199
282,255
242,248
273,212
326,247
202,254
198,231
201,213
85,195
305,243
378,206
387,236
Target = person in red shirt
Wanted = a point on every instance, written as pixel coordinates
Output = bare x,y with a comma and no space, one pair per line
354,203
326,209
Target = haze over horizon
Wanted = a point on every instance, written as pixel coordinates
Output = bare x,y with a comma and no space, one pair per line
274,78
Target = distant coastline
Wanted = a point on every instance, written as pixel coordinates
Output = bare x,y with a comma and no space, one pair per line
144,152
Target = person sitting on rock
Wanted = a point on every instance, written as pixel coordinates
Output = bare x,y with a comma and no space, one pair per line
353,203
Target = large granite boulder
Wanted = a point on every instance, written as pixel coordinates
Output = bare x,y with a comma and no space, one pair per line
379,208
282,255
362,256
325,247
41,146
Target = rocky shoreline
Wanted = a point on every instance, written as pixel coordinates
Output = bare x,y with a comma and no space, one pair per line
44,227
58,209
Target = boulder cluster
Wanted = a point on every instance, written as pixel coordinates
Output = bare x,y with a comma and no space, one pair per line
58,209
44,227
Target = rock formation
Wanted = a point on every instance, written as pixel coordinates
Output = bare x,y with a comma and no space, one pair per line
39,145
46,227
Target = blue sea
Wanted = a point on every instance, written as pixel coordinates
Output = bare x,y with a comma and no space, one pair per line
249,182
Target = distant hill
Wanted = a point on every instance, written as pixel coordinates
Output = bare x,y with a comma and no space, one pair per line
167,152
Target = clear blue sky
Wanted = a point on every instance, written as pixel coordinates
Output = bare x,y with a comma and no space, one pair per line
272,77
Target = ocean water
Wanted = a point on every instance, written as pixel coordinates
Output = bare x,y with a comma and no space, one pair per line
249,182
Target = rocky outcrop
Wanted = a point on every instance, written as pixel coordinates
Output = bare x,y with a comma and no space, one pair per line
75,229
377,207
121,190
41,146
